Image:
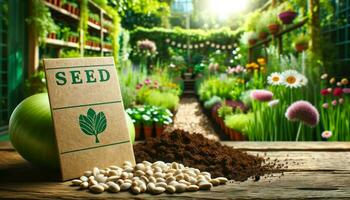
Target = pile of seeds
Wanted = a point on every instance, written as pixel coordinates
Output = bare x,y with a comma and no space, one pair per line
207,155
154,178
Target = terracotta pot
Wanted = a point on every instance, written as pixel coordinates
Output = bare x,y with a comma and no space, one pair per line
287,17
227,130
148,131
58,3
159,130
77,11
263,35
274,28
137,131
301,47
252,41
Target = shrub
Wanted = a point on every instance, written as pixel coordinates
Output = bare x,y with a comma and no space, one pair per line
211,102
239,122
162,99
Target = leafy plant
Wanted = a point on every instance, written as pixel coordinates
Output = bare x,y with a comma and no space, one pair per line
41,20
162,99
93,123
302,39
239,122
225,110
248,36
70,53
270,17
211,102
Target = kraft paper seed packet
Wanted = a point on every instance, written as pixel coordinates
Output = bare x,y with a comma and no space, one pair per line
88,114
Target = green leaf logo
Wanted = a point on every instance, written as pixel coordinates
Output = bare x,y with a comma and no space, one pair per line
92,123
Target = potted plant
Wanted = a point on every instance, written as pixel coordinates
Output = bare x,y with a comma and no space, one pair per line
147,122
252,38
273,24
287,14
301,43
223,111
136,117
262,31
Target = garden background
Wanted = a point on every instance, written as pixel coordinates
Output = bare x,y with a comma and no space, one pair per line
257,70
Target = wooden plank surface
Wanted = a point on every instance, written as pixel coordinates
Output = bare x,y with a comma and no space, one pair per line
312,173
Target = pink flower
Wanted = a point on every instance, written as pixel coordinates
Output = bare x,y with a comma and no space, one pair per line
148,81
324,92
337,92
325,105
303,111
334,102
341,101
326,134
346,90
261,95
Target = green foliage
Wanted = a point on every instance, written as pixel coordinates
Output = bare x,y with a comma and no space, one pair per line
270,17
150,114
36,83
229,88
160,35
69,53
93,123
211,102
225,110
252,20
41,20
302,39
239,122
162,99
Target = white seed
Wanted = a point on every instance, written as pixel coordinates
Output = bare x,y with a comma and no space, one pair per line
128,169
192,188
127,163
125,186
113,173
170,189
151,187
180,187
185,182
87,173
140,166
96,189
120,181
113,178
127,181
158,175
174,165
152,179
168,175
124,175
160,180
193,180
143,187
173,183
95,171
146,180
146,163
149,172
93,182
196,171
113,187
84,185
161,184
102,171
140,173
76,182
222,180
177,172
84,178
158,190
170,179
179,177
205,185
104,185
136,190
215,182
101,178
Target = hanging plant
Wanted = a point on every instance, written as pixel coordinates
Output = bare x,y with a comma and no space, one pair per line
287,14
41,20
301,43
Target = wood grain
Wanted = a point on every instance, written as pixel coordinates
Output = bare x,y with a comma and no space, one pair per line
312,173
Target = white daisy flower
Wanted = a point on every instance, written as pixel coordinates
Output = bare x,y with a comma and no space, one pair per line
173,43
274,79
291,79
178,45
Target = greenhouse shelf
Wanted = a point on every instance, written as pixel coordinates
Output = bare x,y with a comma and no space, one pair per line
62,43
61,10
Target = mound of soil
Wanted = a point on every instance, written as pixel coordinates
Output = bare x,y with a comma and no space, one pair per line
196,151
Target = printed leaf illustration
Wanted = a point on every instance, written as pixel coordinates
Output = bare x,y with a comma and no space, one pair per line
93,123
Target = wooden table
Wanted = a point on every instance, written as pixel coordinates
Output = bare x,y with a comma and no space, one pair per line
315,170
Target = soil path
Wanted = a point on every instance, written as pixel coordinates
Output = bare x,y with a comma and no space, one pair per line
191,118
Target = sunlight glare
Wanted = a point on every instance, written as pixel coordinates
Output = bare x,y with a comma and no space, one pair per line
224,8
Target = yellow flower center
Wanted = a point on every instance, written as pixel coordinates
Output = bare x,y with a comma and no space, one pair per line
291,79
275,79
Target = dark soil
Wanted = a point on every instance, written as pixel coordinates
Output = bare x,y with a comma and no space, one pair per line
196,151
